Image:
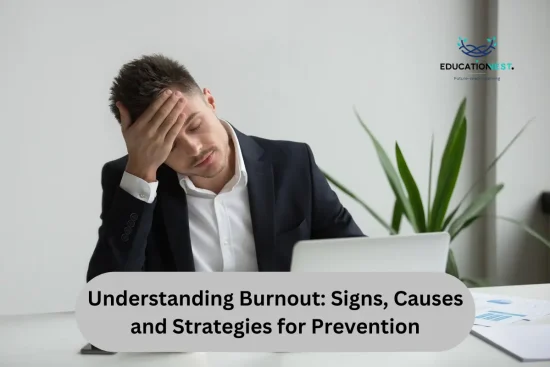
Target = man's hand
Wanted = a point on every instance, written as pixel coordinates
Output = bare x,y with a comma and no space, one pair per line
150,138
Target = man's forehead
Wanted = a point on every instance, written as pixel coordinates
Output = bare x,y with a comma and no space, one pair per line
190,98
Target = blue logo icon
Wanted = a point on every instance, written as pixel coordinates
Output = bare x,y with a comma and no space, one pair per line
476,51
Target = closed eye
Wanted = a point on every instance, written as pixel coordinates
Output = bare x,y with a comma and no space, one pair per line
195,126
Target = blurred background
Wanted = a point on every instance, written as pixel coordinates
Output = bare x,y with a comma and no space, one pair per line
286,69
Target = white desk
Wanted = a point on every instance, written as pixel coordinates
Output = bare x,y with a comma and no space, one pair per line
54,340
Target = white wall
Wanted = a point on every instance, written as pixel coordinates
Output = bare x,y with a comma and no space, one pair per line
284,70
523,93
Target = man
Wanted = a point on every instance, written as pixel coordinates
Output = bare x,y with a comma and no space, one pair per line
196,194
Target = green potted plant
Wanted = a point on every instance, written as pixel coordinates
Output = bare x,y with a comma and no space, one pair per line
434,216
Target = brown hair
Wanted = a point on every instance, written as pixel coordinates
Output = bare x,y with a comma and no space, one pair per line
141,80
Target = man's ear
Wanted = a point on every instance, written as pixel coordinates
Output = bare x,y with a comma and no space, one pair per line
209,98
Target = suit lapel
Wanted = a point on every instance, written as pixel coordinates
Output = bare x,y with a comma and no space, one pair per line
173,203
261,199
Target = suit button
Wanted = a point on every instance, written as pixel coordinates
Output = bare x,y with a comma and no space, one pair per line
124,237
127,230
133,216
131,223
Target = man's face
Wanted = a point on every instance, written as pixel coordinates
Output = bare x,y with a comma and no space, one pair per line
202,146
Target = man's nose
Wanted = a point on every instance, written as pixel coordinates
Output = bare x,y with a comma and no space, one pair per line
191,147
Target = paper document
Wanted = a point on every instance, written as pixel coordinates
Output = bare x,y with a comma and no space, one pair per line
494,310
525,342
495,318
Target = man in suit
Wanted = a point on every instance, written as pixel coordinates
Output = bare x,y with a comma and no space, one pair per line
196,194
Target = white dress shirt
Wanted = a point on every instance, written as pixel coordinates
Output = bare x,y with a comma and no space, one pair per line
220,225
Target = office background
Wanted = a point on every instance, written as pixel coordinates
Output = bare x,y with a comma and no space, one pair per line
282,69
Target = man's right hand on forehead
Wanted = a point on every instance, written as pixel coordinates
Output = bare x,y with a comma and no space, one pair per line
149,139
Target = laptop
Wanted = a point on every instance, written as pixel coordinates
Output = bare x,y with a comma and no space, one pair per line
422,252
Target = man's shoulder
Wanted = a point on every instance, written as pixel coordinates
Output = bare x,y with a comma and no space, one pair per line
117,163
292,161
281,150
114,168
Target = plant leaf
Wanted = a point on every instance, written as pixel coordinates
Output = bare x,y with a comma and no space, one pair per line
392,176
474,209
449,170
429,208
397,215
412,189
449,218
466,225
527,229
359,201
452,269
488,169
474,283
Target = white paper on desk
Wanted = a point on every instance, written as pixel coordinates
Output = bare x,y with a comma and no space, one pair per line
525,342
528,309
495,318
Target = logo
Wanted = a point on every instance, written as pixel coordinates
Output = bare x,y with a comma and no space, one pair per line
470,64
476,51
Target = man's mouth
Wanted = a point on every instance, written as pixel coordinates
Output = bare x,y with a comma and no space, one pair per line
205,160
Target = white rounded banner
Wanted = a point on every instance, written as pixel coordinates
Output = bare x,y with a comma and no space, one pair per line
270,312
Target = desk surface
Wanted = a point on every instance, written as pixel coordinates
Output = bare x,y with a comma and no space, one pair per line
54,340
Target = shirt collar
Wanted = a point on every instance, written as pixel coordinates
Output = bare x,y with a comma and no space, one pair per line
239,179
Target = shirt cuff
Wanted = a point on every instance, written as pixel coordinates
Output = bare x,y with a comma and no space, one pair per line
139,188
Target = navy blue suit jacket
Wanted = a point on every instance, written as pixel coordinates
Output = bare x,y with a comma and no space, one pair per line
290,200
